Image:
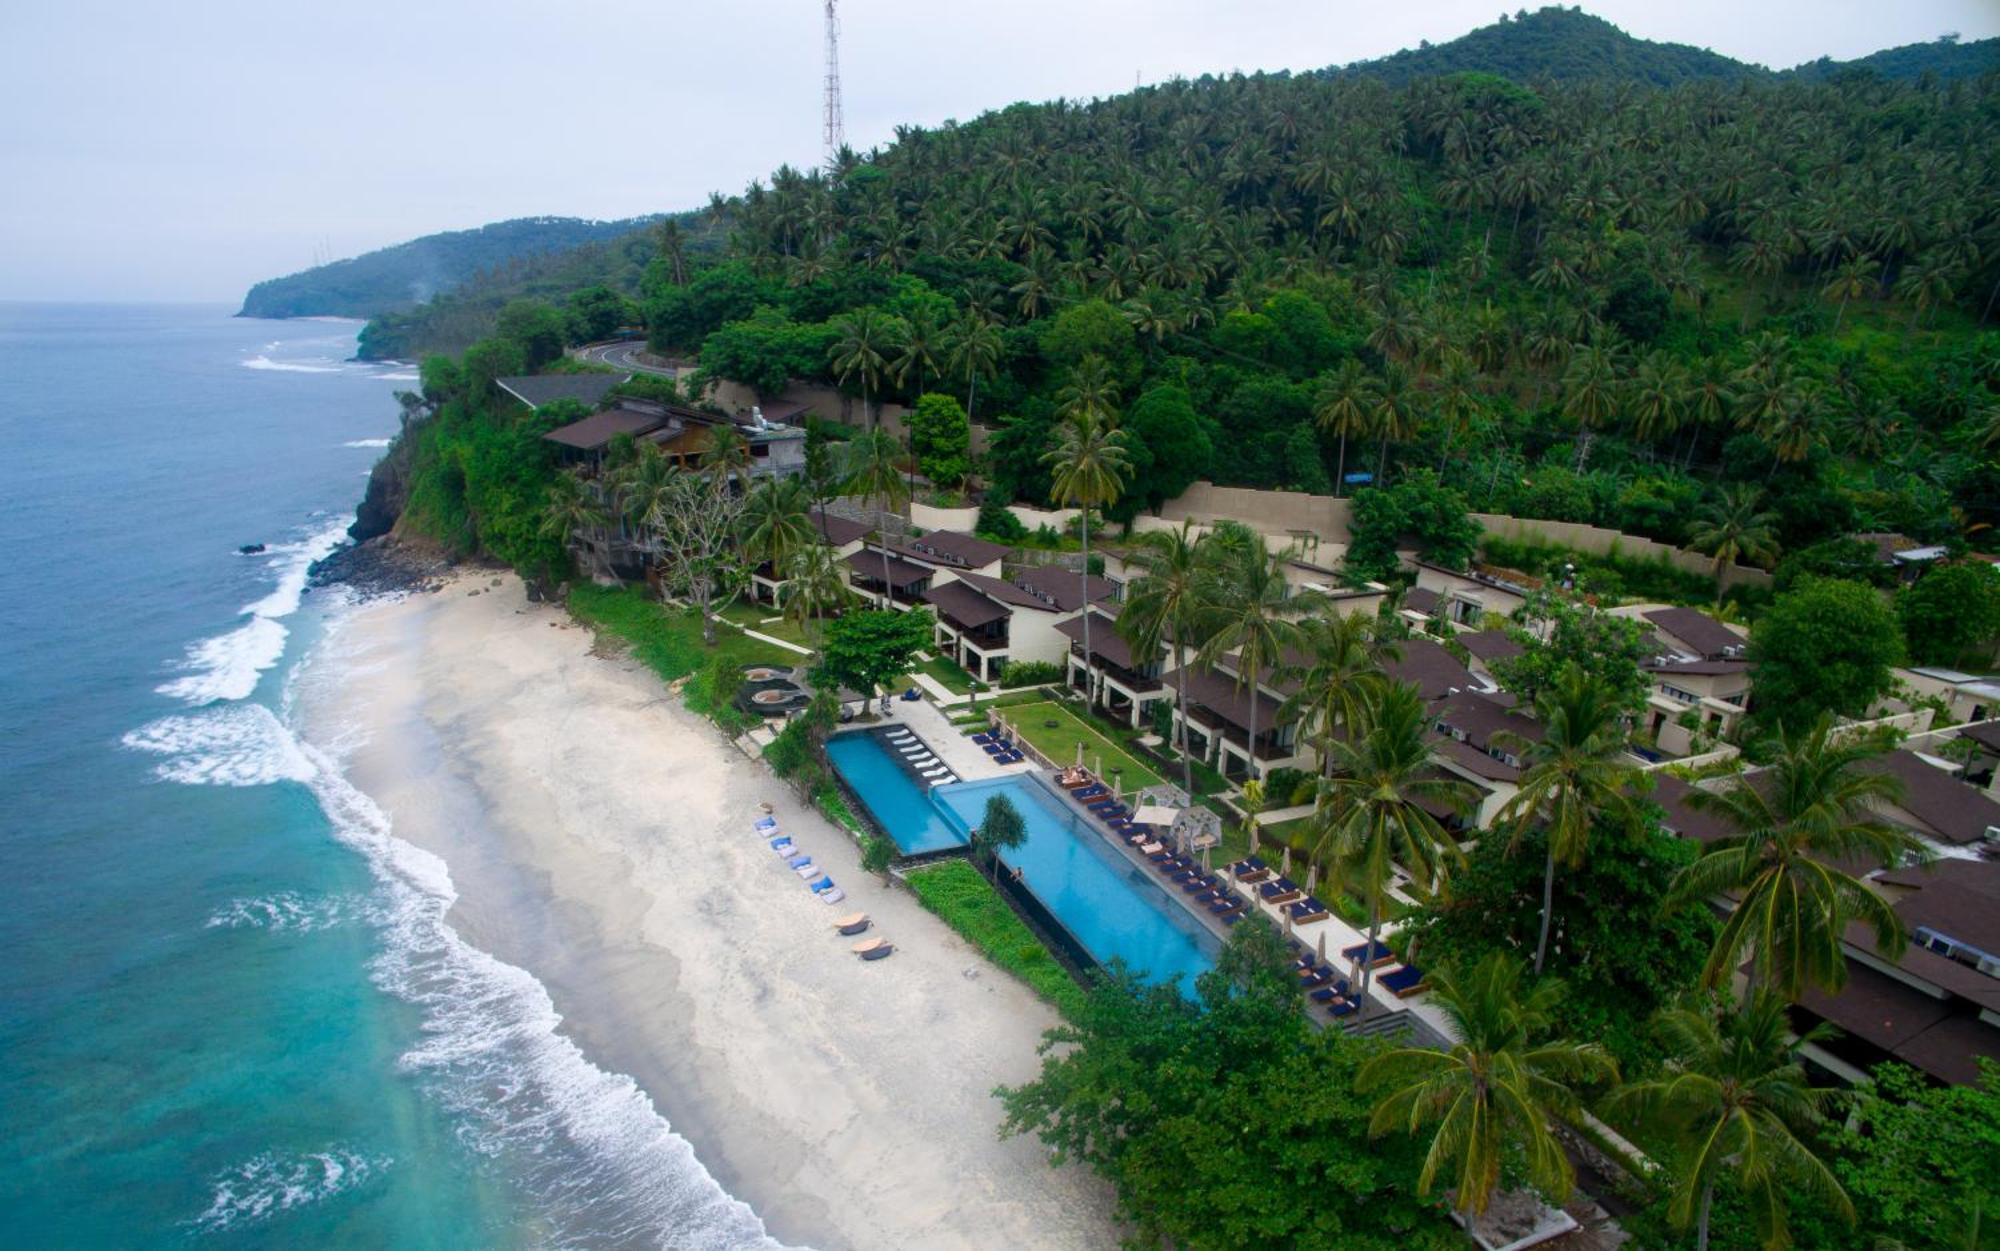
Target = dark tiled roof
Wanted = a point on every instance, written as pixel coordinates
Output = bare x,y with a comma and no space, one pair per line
1064,589
1957,812
1984,733
951,549
535,390
1956,905
1435,671
965,605
868,563
1704,635
1004,591
1421,599
1877,1008
1950,1050
1473,760
839,531
1683,818
598,429
1981,876
1490,645
1104,641
1222,697
1481,720
1887,544
1696,668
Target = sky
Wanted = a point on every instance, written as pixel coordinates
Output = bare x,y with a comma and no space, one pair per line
183,151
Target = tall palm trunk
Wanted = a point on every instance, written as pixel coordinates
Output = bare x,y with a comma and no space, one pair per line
1381,461
971,389
1180,682
1701,1222
1083,589
1548,905
882,532
1340,473
1250,768
1368,956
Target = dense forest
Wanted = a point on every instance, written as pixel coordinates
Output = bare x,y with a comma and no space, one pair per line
1754,306
402,277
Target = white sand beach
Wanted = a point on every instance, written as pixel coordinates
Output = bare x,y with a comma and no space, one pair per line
600,837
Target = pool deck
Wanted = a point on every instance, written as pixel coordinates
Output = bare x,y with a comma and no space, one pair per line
948,742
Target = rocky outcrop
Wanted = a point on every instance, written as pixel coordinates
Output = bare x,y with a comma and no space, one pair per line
388,490
385,565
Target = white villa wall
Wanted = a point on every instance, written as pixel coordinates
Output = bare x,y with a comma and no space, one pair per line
1032,635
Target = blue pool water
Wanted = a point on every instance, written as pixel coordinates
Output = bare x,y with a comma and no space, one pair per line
892,797
1104,901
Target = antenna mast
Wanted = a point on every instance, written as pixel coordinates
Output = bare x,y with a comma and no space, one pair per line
835,129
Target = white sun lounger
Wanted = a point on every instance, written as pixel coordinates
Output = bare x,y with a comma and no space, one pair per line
900,736
832,895
923,762
934,774
809,870
913,748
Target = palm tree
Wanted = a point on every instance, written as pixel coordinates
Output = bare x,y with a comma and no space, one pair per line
862,342
1087,470
1734,532
1590,394
870,467
572,507
813,587
1373,811
1809,812
777,521
1167,601
1254,614
972,349
1852,280
1503,1085
1736,1099
1343,406
1394,416
727,453
922,340
1341,673
643,485
1572,778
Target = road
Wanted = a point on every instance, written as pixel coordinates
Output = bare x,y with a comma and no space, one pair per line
623,354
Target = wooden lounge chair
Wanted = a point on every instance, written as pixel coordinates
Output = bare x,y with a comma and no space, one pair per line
1282,891
1342,1007
1406,982
1253,876
1308,910
852,923
1359,953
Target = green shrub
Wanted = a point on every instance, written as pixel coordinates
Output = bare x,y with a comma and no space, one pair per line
1031,673
998,523
967,902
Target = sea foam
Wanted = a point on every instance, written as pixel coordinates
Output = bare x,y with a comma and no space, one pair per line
367,443
235,745
275,1182
291,912
229,666
260,361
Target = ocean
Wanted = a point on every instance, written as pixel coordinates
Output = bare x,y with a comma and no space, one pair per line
232,1009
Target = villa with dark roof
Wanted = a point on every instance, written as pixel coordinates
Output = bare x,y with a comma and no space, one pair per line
985,623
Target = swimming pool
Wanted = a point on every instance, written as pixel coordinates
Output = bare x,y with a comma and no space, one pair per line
1105,901
901,807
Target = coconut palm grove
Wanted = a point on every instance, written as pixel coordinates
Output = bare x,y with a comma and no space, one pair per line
1697,964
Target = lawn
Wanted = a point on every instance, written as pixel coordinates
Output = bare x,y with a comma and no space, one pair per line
967,902
947,675
668,641
753,617
1059,742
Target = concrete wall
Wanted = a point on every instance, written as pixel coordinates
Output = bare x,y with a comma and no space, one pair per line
1269,512
928,517
1599,541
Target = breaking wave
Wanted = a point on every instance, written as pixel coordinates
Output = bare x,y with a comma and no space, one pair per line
261,361
274,1182
229,665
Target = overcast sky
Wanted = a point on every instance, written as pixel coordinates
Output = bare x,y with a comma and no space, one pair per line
159,151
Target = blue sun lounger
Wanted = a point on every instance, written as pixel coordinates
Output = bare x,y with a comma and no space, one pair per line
1361,952
1408,980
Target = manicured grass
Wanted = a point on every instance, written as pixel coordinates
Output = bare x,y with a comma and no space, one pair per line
752,617
968,903
947,675
668,641
1059,742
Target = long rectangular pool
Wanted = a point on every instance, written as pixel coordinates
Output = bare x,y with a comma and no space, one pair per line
899,805
1106,902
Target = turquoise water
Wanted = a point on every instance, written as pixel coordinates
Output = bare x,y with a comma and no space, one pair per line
898,805
231,1009
1102,899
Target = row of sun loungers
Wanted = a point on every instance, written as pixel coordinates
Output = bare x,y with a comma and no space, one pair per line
781,845
919,756
1000,747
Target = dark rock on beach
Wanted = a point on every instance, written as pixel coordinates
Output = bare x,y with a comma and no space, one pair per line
384,565
388,490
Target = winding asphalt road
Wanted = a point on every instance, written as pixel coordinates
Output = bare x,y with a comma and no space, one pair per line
623,354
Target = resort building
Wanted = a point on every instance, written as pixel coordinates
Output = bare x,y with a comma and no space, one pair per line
1901,553
1467,597
1690,632
843,534
536,390
1225,716
1951,816
1126,685
1482,740
1485,648
1966,696
1937,1008
985,623
1433,670
917,564
1693,697
682,434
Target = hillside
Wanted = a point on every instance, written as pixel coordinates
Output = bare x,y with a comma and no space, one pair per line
1947,59
1562,45
407,274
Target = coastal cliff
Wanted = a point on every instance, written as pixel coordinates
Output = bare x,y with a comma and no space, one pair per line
388,489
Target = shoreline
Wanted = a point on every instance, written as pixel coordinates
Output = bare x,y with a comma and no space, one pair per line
598,834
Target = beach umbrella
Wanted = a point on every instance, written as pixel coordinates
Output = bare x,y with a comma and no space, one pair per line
1322,944
1287,870
1288,920
1253,838
1079,753
1204,860
1312,876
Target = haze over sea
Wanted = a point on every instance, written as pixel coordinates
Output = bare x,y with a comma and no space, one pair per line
231,1009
